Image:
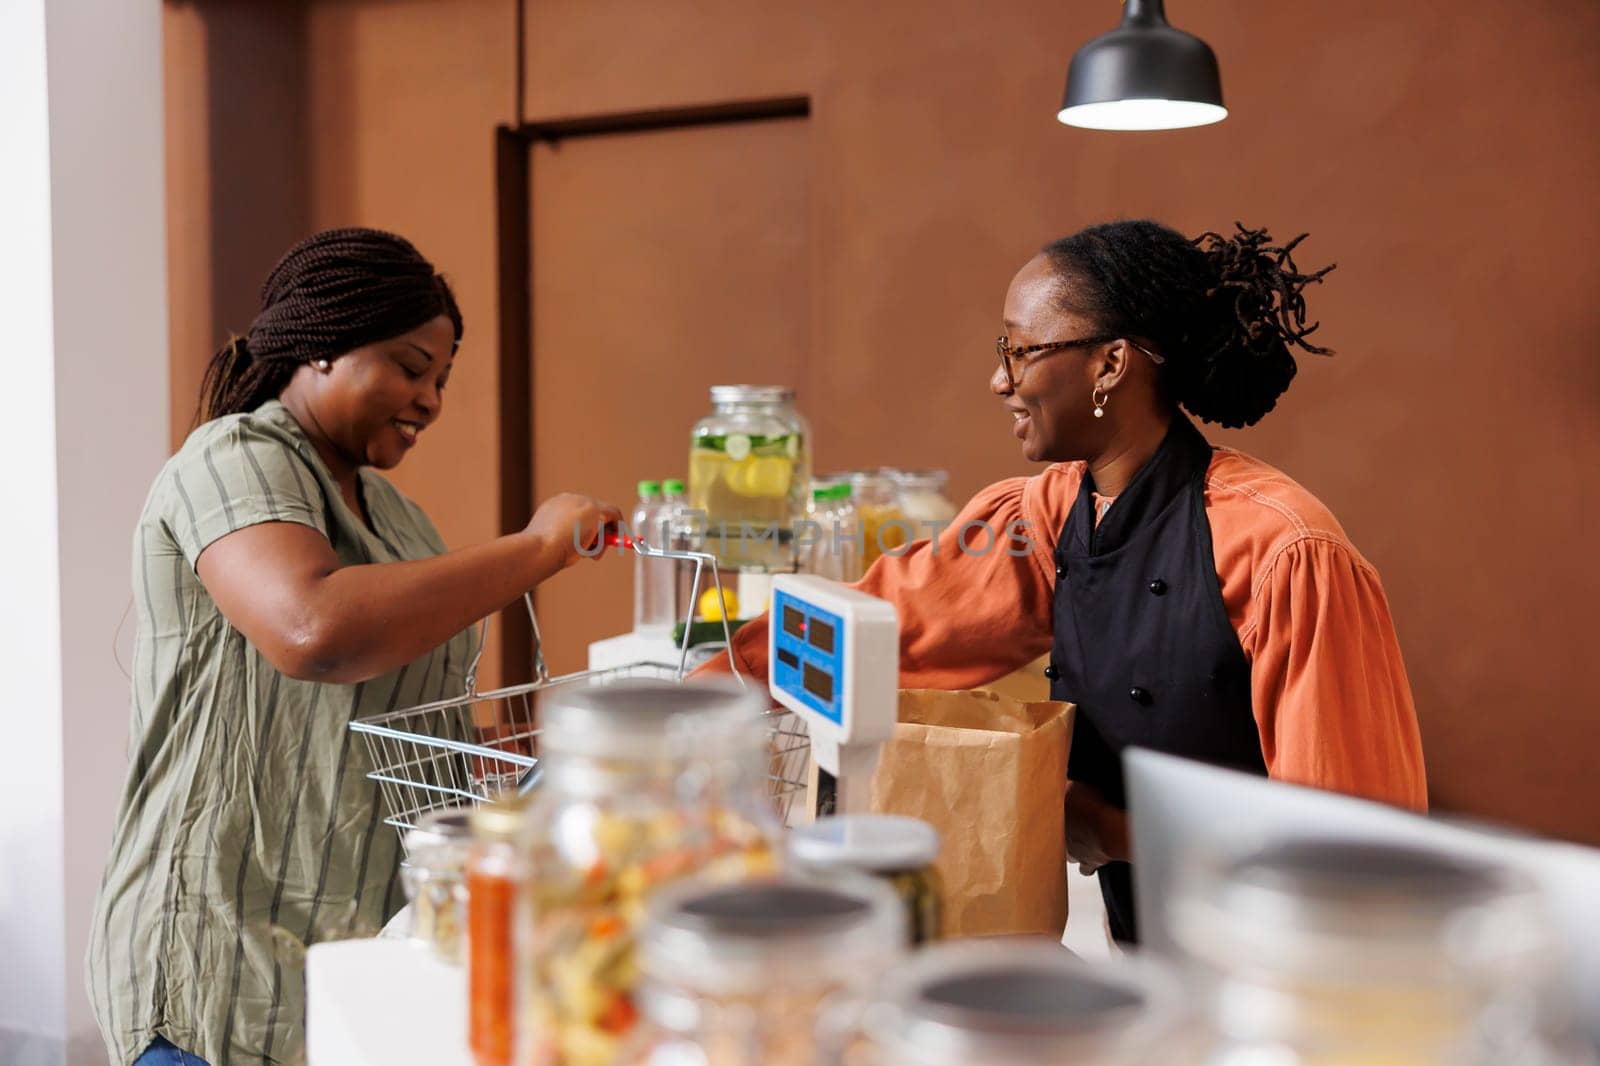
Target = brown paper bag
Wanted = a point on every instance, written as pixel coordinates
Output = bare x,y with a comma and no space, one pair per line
990,773
1027,684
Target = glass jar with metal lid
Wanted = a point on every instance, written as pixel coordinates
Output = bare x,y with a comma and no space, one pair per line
1019,1002
900,851
805,449
494,871
924,498
832,547
645,782
884,526
740,975
750,475
1346,951
433,876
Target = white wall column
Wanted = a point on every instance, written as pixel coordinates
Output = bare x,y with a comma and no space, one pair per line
32,927
83,300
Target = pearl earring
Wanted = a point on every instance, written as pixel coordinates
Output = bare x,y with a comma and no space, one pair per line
1100,399
323,365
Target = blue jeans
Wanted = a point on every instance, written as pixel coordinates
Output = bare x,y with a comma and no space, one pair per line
161,1053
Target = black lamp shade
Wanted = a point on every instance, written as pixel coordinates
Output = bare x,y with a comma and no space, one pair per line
1143,75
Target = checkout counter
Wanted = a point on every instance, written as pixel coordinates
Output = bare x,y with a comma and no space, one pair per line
389,1001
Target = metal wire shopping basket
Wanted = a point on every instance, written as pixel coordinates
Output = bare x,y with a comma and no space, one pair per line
477,746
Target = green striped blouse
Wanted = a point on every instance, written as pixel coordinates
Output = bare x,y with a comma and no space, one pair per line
247,829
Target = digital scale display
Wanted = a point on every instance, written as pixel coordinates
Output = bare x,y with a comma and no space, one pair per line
808,656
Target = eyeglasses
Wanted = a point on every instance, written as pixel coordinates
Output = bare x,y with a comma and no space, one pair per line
1010,357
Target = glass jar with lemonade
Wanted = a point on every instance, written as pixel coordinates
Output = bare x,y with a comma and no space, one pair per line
750,474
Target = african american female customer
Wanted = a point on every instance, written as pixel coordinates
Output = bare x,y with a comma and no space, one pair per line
283,588
1192,598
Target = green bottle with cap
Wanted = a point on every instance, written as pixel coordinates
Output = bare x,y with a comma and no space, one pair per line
649,613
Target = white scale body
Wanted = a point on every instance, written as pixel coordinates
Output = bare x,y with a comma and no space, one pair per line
833,657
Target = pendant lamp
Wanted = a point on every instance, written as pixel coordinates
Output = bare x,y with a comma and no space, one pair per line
1143,75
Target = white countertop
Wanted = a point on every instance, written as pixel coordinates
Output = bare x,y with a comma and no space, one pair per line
391,1002
384,1002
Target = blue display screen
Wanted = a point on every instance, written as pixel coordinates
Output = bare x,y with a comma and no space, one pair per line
808,655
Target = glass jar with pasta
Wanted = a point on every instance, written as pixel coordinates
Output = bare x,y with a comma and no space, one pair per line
433,877
744,975
644,783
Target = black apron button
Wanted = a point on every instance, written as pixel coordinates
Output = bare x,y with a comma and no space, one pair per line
1139,696
1061,571
1051,672
1158,587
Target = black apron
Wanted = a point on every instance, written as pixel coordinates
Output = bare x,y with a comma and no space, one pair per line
1143,644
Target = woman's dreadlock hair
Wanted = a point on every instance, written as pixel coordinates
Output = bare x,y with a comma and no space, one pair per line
1222,311
332,292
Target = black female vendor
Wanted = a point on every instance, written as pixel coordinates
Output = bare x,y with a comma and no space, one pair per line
1192,598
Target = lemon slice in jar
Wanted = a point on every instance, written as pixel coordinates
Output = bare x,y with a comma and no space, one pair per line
737,446
762,475
711,608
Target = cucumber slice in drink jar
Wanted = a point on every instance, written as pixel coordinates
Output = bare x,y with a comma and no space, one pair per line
729,443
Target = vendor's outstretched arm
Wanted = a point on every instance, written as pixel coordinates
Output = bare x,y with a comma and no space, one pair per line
974,602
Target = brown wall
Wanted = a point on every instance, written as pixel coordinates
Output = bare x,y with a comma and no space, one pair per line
663,261
1441,152
285,118
236,171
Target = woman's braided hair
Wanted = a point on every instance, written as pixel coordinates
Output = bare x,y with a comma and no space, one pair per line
1221,311
334,291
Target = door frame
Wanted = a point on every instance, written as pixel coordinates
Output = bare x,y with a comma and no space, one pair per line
514,275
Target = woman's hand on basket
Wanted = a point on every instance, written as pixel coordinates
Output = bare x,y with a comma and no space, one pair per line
572,526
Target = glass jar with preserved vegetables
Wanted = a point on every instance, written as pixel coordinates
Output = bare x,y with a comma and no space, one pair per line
494,870
884,526
899,850
645,782
740,975
1344,952
750,475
